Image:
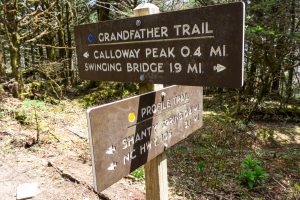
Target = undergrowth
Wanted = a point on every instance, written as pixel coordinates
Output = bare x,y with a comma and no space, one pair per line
104,92
139,173
252,173
230,158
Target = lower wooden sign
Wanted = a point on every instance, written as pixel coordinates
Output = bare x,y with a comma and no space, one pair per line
126,134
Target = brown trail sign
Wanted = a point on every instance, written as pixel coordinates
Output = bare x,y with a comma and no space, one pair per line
126,134
201,47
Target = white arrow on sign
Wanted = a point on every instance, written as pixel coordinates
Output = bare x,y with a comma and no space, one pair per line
112,166
219,68
111,150
86,55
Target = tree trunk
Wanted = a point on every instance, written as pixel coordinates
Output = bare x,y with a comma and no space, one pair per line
14,50
41,53
103,10
26,57
32,54
69,37
60,33
4,54
252,72
289,84
50,51
13,37
103,15
291,71
2,69
281,49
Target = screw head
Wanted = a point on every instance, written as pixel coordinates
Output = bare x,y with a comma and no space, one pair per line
138,22
142,77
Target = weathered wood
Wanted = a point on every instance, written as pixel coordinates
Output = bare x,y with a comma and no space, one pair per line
190,47
156,176
141,128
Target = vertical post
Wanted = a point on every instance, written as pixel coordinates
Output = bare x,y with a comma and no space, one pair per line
156,176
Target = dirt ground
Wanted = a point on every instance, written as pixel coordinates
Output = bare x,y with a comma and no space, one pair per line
60,162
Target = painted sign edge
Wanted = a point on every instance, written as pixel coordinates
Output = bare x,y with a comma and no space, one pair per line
91,150
243,44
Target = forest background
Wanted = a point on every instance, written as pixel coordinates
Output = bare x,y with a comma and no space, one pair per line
37,47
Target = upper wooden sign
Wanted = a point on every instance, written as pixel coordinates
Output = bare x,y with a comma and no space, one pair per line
126,134
201,47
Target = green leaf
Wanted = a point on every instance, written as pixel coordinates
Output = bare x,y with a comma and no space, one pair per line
250,175
296,35
297,186
253,172
138,173
251,184
200,167
258,170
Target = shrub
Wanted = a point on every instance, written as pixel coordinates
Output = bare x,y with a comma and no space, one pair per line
139,173
252,173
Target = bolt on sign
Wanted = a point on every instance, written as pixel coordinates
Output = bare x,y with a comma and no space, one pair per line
126,134
203,46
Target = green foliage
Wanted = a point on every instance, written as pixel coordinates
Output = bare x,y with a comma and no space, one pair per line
295,191
228,117
104,92
20,116
29,104
138,173
252,174
260,30
47,91
296,35
26,112
30,114
265,133
297,187
200,167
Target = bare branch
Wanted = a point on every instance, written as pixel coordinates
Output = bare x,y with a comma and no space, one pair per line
55,47
42,34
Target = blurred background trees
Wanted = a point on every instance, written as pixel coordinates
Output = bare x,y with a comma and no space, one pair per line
37,47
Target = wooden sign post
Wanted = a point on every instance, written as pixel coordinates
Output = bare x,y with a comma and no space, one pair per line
156,170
